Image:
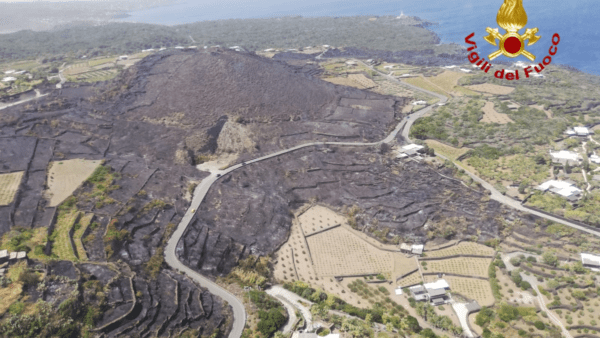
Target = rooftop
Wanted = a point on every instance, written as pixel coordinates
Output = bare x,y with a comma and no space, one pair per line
563,188
565,155
439,284
589,259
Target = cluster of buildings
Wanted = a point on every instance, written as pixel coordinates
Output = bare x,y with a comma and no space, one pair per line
566,189
434,293
8,258
11,75
579,131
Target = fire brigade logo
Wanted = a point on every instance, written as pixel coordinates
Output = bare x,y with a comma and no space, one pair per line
512,18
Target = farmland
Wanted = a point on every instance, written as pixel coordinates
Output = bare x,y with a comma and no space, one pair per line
446,150
477,267
66,176
476,289
80,229
9,184
462,248
412,279
61,245
318,218
491,89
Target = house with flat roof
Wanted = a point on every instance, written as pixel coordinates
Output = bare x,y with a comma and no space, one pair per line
594,159
564,156
435,293
565,189
590,261
409,150
578,131
417,249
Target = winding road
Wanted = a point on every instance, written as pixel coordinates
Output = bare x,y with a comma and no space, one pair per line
239,312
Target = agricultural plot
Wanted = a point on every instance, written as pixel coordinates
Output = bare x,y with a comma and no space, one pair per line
412,279
9,184
422,83
446,150
76,69
344,81
62,241
477,267
65,176
491,89
98,62
98,75
293,259
319,218
448,82
490,115
338,252
476,289
463,248
84,222
362,80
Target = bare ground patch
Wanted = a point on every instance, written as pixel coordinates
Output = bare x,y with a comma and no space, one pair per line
65,176
490,115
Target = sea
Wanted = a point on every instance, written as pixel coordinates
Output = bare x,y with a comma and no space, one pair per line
576,21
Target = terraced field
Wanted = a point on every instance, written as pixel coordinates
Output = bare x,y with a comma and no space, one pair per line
476,289
461,266
62,241
84,222
9,184
463,248
412,279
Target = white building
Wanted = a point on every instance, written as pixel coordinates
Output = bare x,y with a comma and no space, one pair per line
269,50
565,156
416,103
147,50
417,249
9,72
538,75
9,79
582,131
388,67
562,188
440,284
351,63
123,57
409,150
595,159
590,261
465,70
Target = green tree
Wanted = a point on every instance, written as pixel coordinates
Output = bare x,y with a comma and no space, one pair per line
484,316
550,258
410,324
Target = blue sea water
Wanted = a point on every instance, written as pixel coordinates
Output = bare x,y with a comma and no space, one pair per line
577,21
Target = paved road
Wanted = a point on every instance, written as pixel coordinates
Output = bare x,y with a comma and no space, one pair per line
463,317
287,296
37,96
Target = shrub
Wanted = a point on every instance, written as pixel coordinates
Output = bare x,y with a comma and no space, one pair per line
539,325
16,308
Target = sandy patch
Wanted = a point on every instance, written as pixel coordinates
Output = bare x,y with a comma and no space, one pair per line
65,176
215,165
491,88
9,184
490,115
